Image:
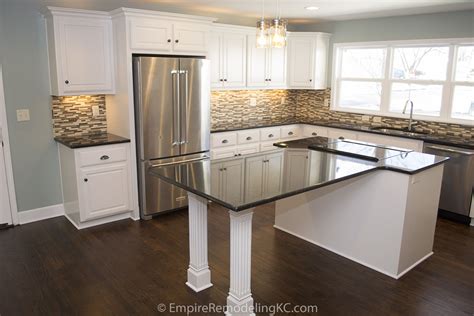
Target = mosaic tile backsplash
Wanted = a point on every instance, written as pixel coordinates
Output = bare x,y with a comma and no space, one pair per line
231,109
72,115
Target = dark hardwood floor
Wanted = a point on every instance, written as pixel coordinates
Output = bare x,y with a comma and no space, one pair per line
127,268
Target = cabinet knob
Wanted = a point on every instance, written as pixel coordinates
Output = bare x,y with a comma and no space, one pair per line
314,134
221,79
310,80
85,180
225,79
66,82
225,141
270,135
270,79
176,41
249,138
290,133
169,40
104,157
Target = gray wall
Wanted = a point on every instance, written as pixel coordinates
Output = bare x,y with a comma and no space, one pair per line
26,83
425,26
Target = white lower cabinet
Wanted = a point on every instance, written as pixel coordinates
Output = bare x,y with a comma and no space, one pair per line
96,184
295,176
228,185
263,176
341,133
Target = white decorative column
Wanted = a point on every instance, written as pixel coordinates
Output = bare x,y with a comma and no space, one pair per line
240,301
199,275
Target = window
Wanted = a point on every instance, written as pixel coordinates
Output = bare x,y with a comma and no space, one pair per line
382,78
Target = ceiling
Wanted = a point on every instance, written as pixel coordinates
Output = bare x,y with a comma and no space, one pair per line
247,11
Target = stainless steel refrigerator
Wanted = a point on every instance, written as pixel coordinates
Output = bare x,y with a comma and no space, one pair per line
172,113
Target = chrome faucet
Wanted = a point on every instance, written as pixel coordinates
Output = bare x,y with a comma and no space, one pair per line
410,122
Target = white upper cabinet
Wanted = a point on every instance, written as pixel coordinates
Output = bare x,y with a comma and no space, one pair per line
80,52
307,60
228,55
266,67
166,33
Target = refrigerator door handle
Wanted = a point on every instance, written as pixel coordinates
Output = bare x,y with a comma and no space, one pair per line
183,109
176,108
177,162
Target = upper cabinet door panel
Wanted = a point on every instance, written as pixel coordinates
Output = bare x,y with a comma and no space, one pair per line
151,34
277,67
301,65
85,58
235,46
256,64
190,37
215,52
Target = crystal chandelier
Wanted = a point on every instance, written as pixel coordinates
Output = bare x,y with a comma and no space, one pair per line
271,34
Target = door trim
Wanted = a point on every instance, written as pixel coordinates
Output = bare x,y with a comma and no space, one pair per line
7,154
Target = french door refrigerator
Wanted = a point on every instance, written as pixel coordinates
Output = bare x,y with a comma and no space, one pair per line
172,114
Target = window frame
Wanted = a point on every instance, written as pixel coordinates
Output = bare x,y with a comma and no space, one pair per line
448,85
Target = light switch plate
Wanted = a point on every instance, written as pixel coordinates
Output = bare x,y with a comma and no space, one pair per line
253,101
95,110
22,115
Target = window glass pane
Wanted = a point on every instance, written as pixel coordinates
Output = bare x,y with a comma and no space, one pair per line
426,98
363,63
427,63
465,64
360,95
463,102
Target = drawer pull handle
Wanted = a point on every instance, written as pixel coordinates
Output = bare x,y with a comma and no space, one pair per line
249,138
225,141
290,133
314,134
104,157
85,180
270,135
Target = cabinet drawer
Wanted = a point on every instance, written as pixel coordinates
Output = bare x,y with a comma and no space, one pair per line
225,152
291,131
266,146
102,155
249,136
248,149
313,131
224,139
340,133
272,133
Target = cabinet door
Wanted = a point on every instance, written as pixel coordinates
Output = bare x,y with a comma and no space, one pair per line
254,177
296,169
301,62
104,191
233,180
86,63
256,64
273,174
216,175
190,38
276,63
234,60
151,34
215,53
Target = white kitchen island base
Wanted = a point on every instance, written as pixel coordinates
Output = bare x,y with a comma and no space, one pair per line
384,220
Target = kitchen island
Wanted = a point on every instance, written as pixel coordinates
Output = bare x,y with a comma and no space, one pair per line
375,205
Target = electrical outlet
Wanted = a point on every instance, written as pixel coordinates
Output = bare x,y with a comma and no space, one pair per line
326,102
253,101
95,110
22,115
377,119
283,100
365,118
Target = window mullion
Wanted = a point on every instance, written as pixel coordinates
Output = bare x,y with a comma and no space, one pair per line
386,84
448,87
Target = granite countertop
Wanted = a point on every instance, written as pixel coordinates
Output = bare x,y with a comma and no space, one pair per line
431,138
90,140
325,168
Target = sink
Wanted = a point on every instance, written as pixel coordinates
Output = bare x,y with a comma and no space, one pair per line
399,131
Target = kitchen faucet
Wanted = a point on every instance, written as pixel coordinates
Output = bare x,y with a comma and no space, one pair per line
410,122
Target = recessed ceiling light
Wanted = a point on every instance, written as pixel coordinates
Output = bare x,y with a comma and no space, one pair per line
311,8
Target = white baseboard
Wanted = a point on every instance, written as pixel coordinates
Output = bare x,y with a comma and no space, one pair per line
40,214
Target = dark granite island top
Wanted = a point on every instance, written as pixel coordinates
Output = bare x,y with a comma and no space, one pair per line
90,140
202,177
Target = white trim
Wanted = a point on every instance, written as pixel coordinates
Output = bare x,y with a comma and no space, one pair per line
7,154
448,85
395,276
40,214
99,221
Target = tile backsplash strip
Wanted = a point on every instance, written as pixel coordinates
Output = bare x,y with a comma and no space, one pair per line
232,109
72,115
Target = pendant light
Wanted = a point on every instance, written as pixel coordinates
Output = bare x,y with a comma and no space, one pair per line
278,29
263,40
